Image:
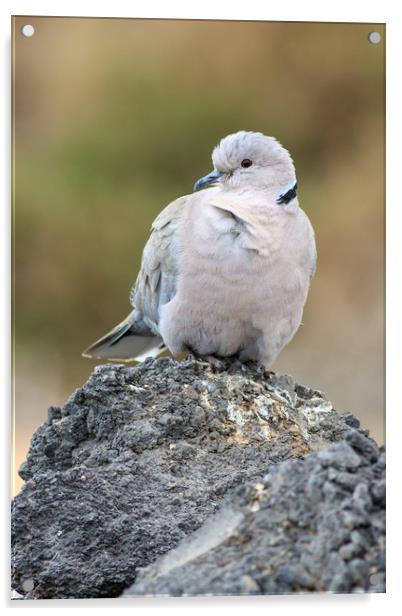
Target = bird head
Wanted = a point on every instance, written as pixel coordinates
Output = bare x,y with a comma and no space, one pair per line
249,160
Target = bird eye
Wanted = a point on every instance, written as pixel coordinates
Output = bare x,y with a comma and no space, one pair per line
246,163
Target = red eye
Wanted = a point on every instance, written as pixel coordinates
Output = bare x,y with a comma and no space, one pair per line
246,163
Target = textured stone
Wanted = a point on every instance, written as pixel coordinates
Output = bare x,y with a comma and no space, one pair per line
282,537
139,458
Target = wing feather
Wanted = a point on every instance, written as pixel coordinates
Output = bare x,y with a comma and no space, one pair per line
157,279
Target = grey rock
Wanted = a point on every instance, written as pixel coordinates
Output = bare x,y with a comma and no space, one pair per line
140,458
282,537
342,457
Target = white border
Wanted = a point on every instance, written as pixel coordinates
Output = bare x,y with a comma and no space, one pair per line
286,10
307,10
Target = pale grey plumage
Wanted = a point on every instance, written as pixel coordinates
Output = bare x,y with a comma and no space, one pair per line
226,271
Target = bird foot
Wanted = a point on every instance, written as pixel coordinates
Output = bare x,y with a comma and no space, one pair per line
216,362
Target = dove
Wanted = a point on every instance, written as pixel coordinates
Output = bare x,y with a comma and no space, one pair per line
227,269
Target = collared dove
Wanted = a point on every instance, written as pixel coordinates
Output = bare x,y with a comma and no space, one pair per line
226,270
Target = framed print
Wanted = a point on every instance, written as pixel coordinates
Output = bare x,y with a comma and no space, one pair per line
198,307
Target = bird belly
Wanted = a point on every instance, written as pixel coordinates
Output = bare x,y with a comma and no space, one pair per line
223,311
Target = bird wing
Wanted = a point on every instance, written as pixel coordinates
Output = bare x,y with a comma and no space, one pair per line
157,278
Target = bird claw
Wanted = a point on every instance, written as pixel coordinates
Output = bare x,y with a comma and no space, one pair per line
218,364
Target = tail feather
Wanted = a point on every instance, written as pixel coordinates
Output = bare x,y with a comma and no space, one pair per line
122,343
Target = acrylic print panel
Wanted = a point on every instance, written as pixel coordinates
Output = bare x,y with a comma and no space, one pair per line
113,119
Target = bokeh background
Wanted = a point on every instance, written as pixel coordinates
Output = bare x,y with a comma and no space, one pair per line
115,118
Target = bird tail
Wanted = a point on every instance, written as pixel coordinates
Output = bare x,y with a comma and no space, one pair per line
130,339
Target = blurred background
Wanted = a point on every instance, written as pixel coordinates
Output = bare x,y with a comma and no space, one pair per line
114,118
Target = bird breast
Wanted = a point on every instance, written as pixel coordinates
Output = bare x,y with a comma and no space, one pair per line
241,273
242,255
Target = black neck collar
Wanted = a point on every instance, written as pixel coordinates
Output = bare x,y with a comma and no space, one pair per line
288,195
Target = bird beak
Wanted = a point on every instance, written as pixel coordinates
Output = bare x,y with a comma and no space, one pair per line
209,179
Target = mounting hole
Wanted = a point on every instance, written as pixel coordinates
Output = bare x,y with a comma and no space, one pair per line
374,37
28,585
28,30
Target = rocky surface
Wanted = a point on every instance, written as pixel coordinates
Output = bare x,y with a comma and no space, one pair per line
139,458
316,524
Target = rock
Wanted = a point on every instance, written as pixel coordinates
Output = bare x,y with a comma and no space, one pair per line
342,457
140,458
281,538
